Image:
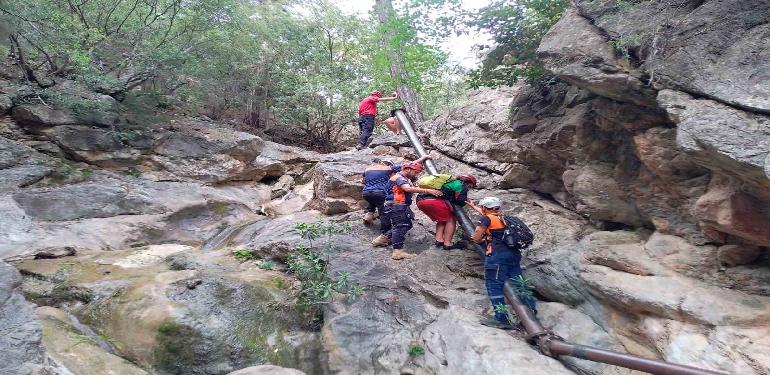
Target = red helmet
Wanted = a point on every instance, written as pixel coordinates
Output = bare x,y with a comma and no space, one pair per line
377,93
468,179
415,166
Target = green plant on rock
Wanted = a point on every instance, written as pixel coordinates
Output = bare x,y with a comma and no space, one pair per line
623,44
415,350
523,286
507,311
243,254
86,172
305,262
267,265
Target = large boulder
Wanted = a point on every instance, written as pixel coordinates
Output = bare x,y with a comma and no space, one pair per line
78,348
617,280
728,209
338,182
277,160
113,211
20,334
711,48
720,137
212,316
38,117
478,131
581,54
83,201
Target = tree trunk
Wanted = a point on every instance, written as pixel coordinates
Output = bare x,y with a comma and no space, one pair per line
397,71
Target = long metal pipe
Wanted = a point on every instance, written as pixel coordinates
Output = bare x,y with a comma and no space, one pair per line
547,342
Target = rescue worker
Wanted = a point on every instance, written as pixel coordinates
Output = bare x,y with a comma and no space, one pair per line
441,210
375,180
501,262
397,210
367,111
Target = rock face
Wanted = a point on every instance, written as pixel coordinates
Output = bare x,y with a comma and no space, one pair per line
213,316
20,333
726,62
430,306
610,277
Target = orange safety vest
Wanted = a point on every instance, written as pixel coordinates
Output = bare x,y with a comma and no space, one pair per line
495,222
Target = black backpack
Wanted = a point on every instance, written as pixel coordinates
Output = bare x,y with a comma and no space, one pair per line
517,235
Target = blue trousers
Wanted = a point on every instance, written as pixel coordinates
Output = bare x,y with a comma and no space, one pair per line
503,264
376,201
365,129
400,217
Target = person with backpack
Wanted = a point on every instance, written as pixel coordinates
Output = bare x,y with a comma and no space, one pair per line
503,237
367,111
375,180
398,211
441,209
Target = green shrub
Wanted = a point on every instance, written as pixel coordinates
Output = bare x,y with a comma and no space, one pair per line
317,288
243,254
415,350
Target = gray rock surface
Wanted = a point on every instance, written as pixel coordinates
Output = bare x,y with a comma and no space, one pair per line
580,54
21,352
610,277
710,48
722,138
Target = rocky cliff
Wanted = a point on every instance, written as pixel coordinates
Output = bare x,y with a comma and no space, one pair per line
166,246
658,129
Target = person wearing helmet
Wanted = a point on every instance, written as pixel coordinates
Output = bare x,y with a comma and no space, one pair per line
375,180
397,210
440,209
367,111
500,263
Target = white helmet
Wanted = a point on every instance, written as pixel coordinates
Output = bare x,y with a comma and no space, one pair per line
490,202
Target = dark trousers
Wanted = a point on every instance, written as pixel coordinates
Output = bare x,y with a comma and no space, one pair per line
376,203
503,264
365,129
401,217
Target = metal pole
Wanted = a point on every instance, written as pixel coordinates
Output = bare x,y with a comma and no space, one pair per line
548,343
414,140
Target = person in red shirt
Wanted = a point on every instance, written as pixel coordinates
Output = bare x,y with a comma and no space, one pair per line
367,111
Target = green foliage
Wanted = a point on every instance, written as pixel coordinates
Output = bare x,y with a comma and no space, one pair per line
243,254
86,172
507,311
317,288
415,350
517,28
623,44
129,41
266,265
523,286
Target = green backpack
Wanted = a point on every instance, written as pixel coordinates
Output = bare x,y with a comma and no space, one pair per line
434,181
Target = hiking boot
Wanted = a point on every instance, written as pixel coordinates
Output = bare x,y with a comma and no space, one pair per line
399,254
438,244
494,323
369,218
360,147
380,241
